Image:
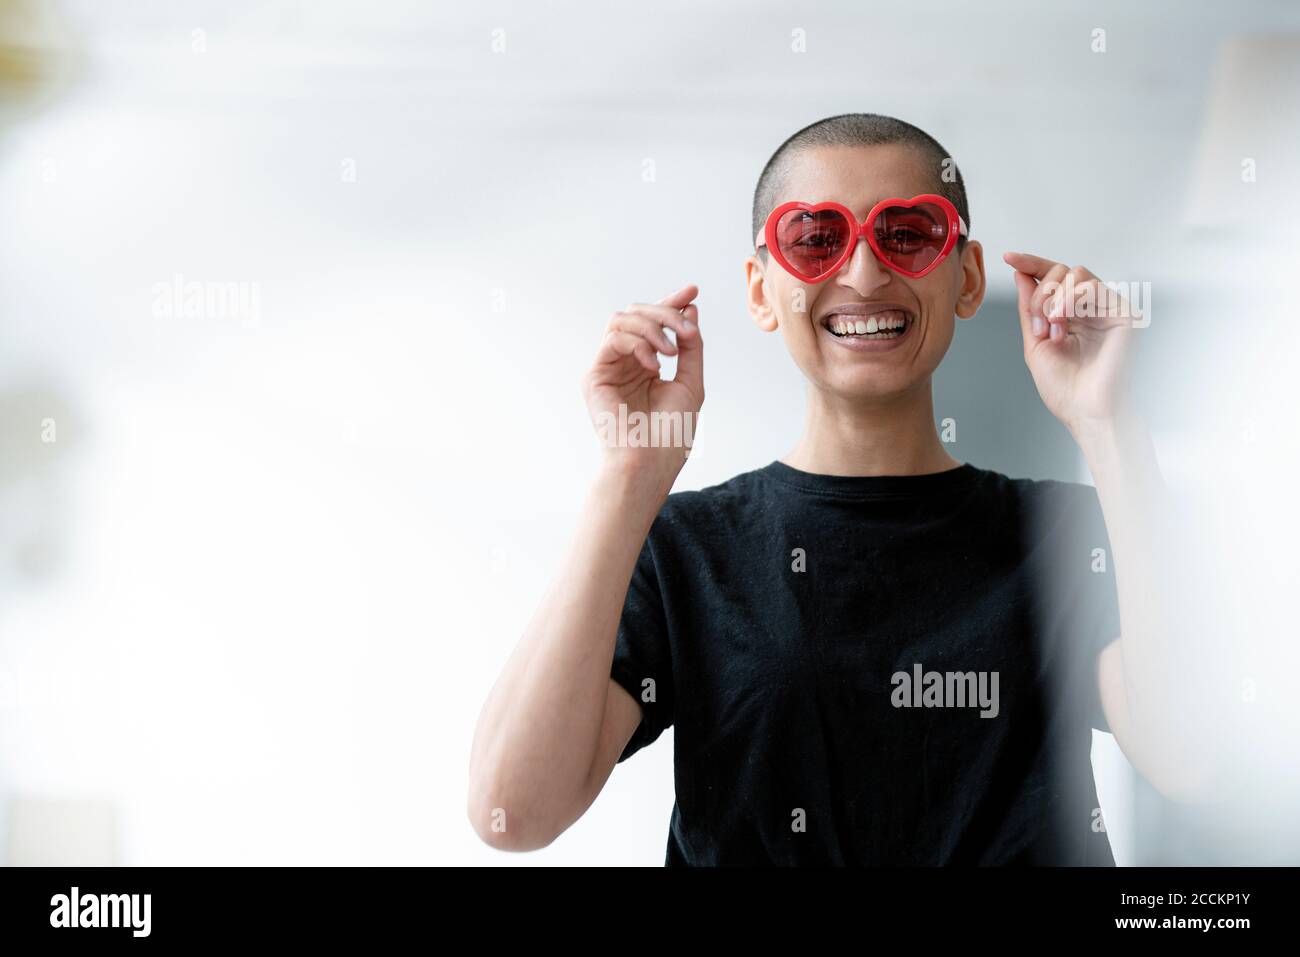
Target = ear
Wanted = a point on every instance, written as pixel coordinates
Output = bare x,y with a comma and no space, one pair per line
972,280
760,305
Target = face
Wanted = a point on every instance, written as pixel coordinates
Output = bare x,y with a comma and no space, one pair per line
916,314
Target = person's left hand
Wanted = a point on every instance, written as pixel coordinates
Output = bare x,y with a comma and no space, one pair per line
1078,360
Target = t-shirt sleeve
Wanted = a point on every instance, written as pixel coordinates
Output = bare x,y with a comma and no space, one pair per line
642,660
1086,609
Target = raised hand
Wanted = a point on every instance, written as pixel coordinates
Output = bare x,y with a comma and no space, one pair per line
1078,338
626,374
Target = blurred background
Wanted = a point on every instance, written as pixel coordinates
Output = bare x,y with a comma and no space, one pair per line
294,302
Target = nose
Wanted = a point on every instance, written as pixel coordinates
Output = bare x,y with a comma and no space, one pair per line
863,273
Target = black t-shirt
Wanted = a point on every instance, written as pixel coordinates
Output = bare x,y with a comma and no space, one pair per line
866,670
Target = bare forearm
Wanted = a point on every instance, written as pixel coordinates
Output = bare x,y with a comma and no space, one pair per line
540,727
1163,666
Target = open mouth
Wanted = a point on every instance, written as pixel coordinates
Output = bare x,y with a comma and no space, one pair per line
888,324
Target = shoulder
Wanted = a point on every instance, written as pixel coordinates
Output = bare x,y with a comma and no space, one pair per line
1060,515
721,503
1045,496
1051,498
738,489
1041,509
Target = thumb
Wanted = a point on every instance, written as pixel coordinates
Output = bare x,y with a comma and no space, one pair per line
690,355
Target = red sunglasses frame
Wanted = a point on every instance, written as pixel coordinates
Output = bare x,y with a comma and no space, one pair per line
864,230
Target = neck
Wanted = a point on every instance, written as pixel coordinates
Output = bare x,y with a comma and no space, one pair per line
894,436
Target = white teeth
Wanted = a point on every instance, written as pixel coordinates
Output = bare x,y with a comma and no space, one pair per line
881,324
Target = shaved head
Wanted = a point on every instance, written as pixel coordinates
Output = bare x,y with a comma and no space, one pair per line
858,129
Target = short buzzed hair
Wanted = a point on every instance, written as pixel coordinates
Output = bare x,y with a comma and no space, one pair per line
857,129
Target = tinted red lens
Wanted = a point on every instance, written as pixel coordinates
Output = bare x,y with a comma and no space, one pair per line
911,237
812,242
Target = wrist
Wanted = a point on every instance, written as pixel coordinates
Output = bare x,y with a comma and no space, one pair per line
635,483
1109,438
1124,421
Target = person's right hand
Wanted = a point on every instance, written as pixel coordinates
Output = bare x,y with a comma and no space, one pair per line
626,373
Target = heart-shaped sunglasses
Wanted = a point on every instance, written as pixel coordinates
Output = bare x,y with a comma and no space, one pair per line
910,236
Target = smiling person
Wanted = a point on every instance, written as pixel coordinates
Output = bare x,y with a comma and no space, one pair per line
870,652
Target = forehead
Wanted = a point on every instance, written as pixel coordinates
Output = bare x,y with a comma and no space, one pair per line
857,176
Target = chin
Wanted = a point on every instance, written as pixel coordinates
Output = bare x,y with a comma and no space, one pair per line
868,385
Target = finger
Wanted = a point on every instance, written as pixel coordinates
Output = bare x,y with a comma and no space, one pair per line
690,357
1036,266
1080,292
1075,300
1065,308
1049,287
619,345
1104,307
1029,329
663,316
680,298
646,328
1118,311
1085,301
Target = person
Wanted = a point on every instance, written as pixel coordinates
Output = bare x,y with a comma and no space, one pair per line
870,652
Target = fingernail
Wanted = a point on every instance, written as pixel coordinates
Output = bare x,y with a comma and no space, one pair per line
1058,330
1036,324
688,325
